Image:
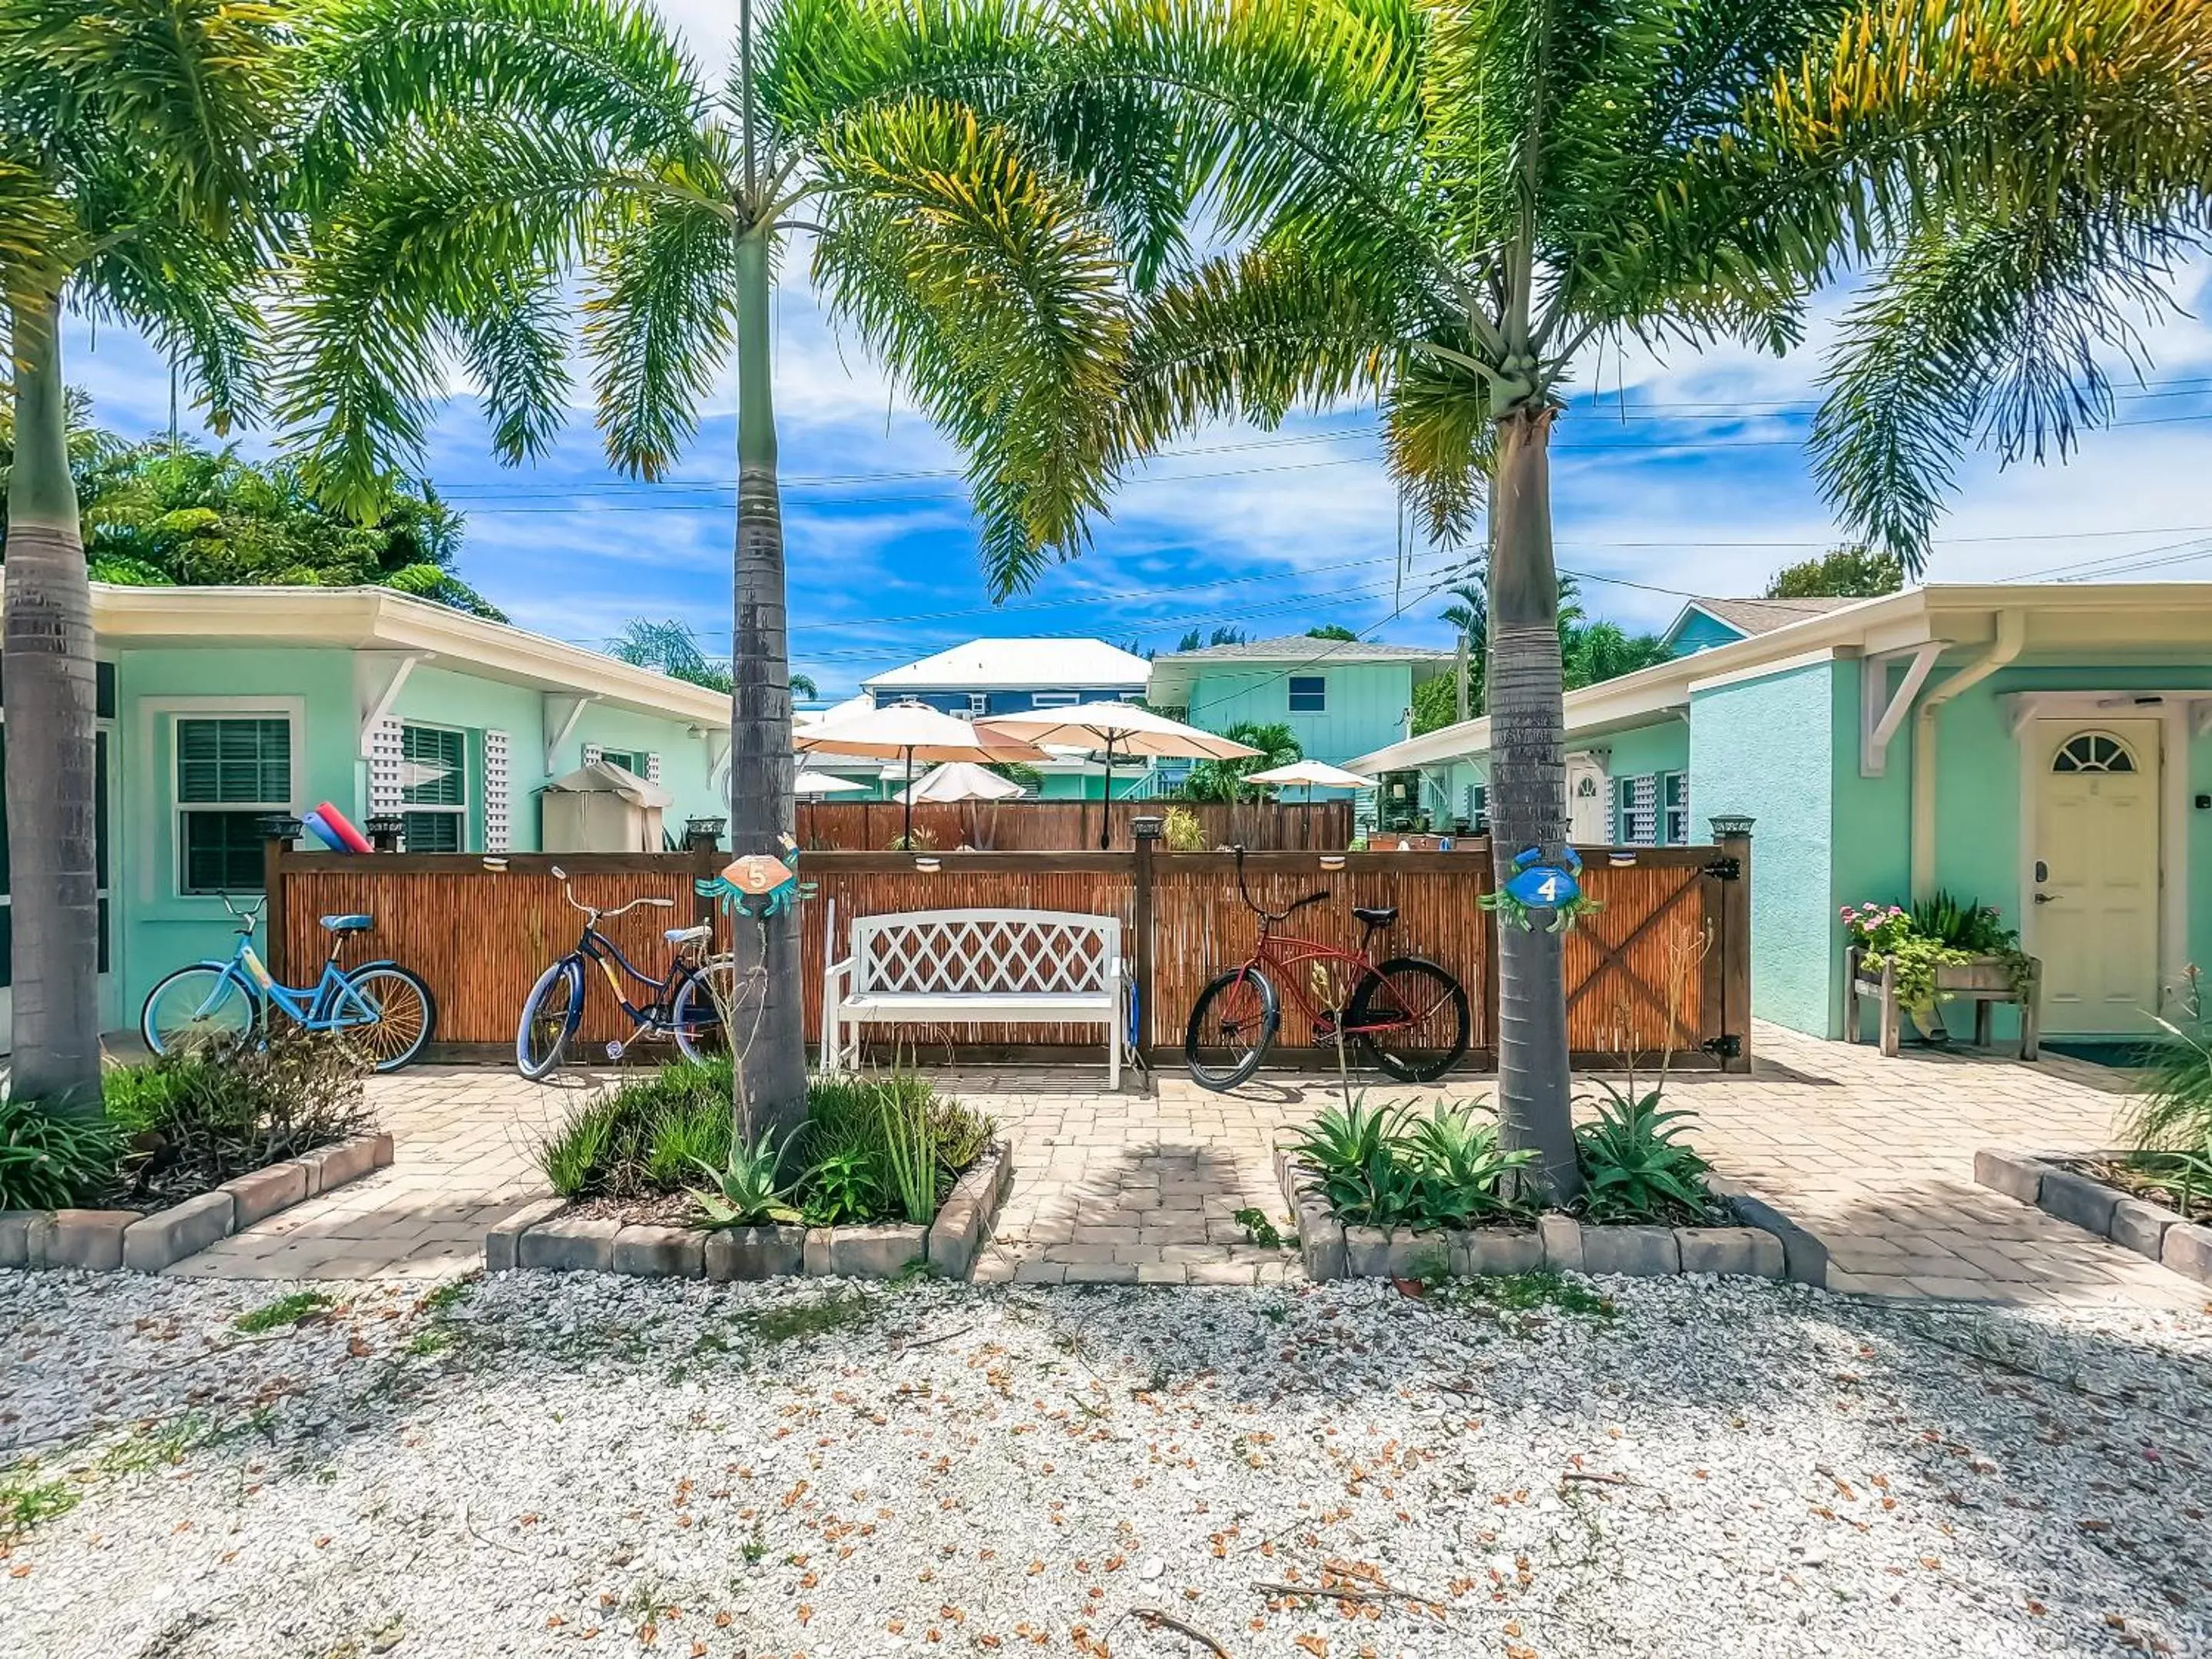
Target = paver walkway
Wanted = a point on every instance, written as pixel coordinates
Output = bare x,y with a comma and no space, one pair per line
1874,1158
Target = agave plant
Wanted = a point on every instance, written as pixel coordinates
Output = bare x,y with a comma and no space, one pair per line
746,1192
1356,1151
1633,1166
1460,1168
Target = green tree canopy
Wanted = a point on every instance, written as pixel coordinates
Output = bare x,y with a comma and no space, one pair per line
1331,631
674,649
1224,779
1856,572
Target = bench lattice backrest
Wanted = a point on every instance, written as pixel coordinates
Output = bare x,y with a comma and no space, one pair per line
950,951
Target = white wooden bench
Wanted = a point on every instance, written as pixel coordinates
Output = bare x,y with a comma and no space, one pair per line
1000,967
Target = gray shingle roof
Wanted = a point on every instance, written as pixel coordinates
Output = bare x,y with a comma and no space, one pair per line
1764,616
1301,648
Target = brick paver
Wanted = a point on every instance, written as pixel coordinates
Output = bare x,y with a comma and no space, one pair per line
1874,1158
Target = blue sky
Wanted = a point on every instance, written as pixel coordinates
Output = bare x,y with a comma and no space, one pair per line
1686,475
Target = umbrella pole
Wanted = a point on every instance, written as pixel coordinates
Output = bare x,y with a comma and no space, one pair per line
1106,806
909,797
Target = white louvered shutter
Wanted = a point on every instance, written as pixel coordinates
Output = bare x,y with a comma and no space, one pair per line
592,752
653,769
385,755
497,789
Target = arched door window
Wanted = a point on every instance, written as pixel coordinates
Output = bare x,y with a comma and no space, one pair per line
2092,752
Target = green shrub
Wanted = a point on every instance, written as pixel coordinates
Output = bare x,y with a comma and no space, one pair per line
50,1161
873,1147
1634,1168
2173,1103
197,1122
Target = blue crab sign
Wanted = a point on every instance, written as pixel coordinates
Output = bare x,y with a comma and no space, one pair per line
1535,888
1540,886
759,884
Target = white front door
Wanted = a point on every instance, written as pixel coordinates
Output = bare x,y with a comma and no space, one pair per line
2094,891
1590,822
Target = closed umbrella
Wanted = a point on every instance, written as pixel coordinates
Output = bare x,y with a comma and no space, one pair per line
908,732
809,782
1115,728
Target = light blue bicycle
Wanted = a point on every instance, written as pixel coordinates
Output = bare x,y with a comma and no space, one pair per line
213,1007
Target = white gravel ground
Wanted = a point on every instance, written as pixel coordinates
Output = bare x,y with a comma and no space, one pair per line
592,1465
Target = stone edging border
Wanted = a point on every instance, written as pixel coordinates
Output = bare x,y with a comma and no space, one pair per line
537,1236
110,1241
1557,1243
2133,1223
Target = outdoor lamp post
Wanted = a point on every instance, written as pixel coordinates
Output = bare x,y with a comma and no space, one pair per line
1731,826
385,830
703,832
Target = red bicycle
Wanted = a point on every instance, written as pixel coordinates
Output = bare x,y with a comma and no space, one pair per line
1408,1014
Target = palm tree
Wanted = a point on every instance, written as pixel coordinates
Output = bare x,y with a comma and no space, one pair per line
1469,616
508,145
1220,780
139,144
1445,206
1601,651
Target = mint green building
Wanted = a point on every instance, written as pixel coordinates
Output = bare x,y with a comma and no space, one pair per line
2045,750
219,705
1340,698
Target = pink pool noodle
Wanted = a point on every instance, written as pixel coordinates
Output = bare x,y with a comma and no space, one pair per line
341,833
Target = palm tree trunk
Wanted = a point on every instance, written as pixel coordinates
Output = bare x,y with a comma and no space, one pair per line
772,1053
52,753
1528,794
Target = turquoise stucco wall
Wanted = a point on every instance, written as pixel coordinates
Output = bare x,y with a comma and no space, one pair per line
1764,747
1365,706
157,929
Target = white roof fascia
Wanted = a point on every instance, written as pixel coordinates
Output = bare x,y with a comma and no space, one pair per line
368,618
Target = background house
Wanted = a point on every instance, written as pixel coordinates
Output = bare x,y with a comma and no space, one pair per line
220,705
2045,750
1340,698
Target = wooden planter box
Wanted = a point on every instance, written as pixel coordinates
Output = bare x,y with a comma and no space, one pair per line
1983,981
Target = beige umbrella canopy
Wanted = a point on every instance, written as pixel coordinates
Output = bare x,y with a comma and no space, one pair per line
1314,775
909,733
1115,728
954,780
809,782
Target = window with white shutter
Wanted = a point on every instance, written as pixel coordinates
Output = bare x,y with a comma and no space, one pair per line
498,788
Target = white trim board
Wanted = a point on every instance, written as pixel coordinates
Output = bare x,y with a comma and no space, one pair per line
2172,713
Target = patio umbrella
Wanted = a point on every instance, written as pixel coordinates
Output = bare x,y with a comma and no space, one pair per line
1115,728
908,732
821,783
961,780
1314,774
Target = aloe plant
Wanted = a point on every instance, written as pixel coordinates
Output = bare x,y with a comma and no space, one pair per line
1634,1167
746,1192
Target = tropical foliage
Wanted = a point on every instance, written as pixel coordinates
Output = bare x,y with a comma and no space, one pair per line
885,1147
1224,779
153,513
53,1160
1939,931
1445,208
143,146
514,153
1841,573
1635,1165
1390,1166
672,647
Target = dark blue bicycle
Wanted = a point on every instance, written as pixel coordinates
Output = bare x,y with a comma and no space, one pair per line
213,1007
684,1003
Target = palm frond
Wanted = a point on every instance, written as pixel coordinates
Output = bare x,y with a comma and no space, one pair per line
196,296
984,284
512,331
460,212
1441,441
38,234
1996,329
658,326
383,68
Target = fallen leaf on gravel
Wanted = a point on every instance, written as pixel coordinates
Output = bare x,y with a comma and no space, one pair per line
1316,1645
359,1349
23,1571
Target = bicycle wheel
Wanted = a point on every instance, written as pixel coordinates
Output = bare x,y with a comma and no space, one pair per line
1231,1025
1411,1018
549,1016
705,1003
205,1009
387,1011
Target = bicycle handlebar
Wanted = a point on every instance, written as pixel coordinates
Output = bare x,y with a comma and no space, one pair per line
595,914
1261,910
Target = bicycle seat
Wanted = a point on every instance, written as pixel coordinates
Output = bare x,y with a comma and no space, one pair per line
356,924
1376,916
686,935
